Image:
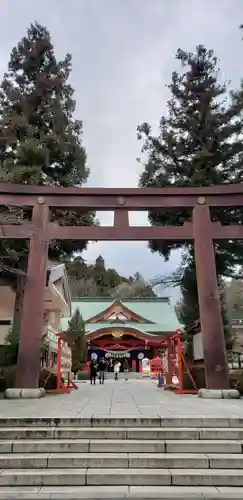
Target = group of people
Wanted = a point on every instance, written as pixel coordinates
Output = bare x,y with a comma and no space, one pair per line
98,369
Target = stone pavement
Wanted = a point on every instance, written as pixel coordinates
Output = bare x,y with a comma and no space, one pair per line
132,398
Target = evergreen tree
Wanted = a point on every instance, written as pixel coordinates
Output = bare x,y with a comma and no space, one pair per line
105,278
40,141
76,339
12,344
199,144
189,304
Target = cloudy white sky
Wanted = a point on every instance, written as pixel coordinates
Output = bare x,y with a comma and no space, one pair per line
123,56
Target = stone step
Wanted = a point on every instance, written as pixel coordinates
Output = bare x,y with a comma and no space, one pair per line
116,446
121,460
146,433
119,421
203,446
121,492
136,446
121,477
112,446
84,446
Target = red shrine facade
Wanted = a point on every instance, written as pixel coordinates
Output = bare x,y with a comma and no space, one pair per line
127,329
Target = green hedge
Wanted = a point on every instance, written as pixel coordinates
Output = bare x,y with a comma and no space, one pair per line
7,379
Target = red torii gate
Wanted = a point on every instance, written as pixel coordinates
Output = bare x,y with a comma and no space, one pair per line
40,231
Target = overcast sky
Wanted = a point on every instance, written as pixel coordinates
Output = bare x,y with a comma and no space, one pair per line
123,55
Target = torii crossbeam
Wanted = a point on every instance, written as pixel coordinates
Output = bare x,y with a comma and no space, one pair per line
40,231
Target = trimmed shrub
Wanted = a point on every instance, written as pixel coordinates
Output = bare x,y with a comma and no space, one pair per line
7,378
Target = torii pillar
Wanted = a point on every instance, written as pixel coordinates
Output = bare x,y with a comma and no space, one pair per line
215,356
31,325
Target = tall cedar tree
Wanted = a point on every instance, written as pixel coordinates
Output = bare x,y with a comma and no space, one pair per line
199,144
40,141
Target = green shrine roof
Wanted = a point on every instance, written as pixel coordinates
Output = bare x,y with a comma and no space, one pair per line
158,314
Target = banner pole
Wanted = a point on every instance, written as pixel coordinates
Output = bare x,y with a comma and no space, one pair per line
180,362
59,363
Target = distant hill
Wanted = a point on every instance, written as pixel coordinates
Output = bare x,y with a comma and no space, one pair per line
96,280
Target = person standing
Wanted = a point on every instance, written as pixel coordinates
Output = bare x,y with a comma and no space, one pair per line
102,367
93,371
117,367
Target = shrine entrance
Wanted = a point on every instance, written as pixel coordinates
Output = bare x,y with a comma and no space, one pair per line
41,231
130,347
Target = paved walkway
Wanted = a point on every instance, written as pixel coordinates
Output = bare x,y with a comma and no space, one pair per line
132,398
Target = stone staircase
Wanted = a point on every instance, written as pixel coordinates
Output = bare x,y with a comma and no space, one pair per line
167,458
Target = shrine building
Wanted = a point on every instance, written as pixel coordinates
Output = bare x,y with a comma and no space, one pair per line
126,329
